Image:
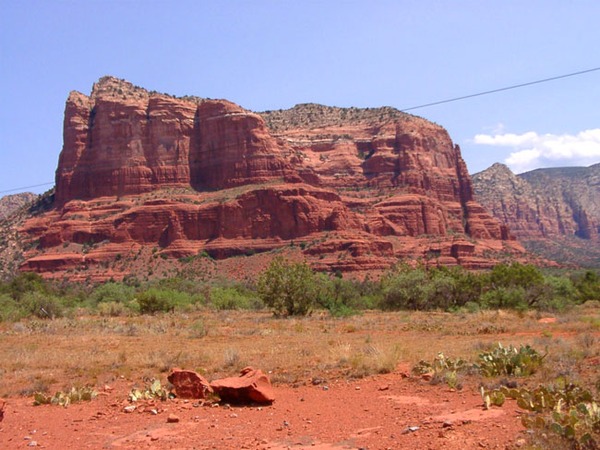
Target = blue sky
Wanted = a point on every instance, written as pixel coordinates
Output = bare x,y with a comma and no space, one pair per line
271,54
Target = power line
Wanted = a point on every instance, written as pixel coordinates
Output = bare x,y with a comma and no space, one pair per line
26,187
425,105
492,91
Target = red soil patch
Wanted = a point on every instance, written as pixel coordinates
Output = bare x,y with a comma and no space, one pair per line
383,412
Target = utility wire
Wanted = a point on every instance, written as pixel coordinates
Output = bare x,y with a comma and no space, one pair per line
425,105
507,88
26,187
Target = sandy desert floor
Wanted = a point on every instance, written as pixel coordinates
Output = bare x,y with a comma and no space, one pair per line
339,383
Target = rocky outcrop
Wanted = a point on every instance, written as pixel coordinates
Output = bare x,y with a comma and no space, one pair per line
122,140
357,188
547,208
18,209
9,204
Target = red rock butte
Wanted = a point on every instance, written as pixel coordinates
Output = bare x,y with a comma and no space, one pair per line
349,189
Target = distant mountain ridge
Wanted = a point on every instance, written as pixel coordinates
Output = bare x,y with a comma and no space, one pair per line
11,203
14,209
554,211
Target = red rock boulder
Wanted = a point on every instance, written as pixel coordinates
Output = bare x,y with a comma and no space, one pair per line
189,384
252,386
2,405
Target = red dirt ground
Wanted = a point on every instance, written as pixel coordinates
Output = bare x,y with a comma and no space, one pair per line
381,412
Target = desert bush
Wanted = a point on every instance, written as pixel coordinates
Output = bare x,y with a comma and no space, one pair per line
560,294
222,298
155,300
468,287
442,290
232,359
113,309
198,329
503,297
366,361
112,293
34,296
516,285
23,283
506,286
10,311
510,361
180,284
406,288
340,297
515,274
425,289
587,286
288,288
43,306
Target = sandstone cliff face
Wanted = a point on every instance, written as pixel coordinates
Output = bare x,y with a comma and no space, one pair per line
185,176
123,140
381,152
558,207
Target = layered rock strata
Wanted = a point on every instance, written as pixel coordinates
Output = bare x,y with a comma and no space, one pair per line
547,209
544,202
357,188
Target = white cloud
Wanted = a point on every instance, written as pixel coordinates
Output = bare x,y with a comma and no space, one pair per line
532,150
523,158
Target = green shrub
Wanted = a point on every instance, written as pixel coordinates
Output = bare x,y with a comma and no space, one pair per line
112,292
442,290
156,300
425,289
44,306
561,294
406,288
113,309
515,275
505,297
587,286
180,284
288,288
10,311
340,297
25,282
229,298
518,286
468,287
